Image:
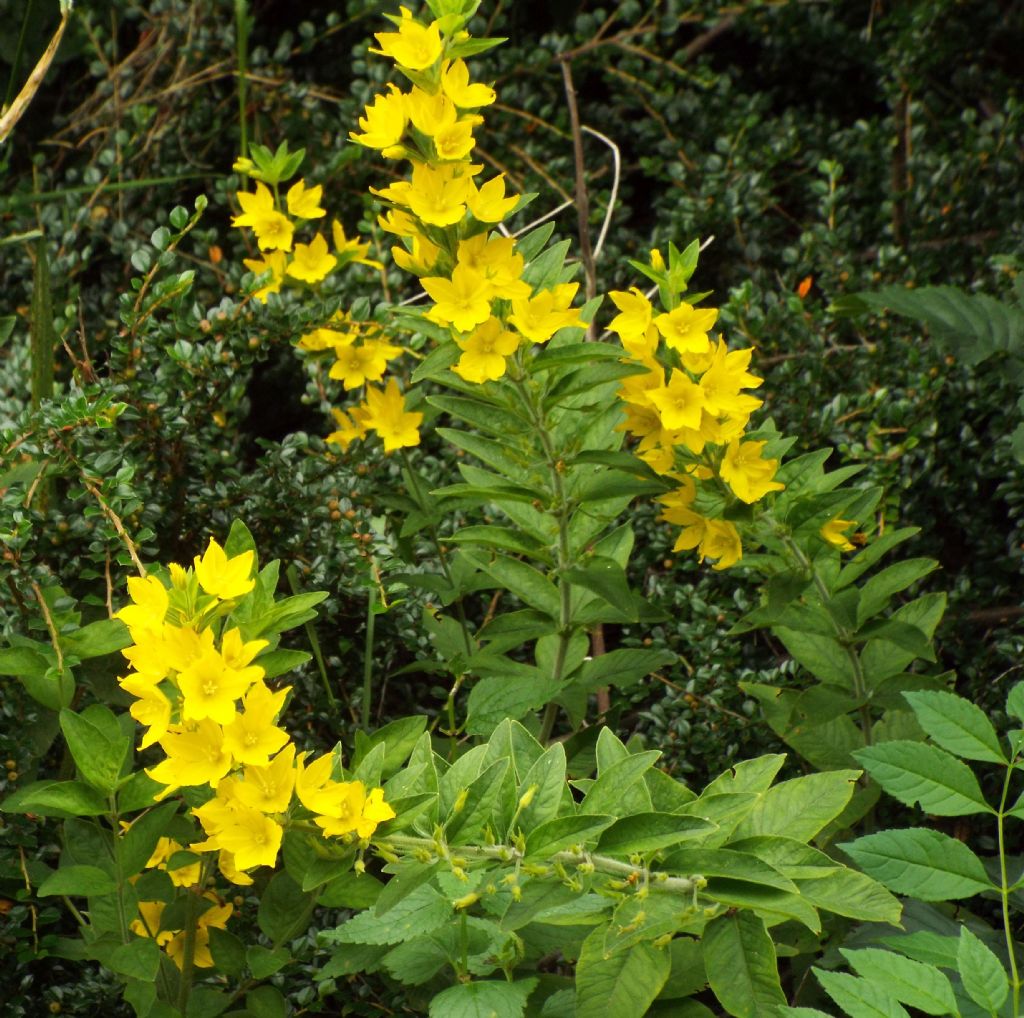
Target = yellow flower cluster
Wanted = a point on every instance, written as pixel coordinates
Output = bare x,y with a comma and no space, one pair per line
688,410
444,217
149,924
200,694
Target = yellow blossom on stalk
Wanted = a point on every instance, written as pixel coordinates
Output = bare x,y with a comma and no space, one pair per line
463,301
182,876
399,222
357,365
455,141
311,262
721,541
269,788
724,378
182,645
151,709
834,533
686,328
539,317
273,262
634,317
455,83
679,403
430,113
325,339
150,603
230,872
210,688
355,811
398,192
313,783
224,577
273,229
749,476
252,737
420,259
350,429
148,923
304,202
484,352
252,837
350,249
384,122
387,415
195,756
217,917
437,194
414,45
489,204
497,261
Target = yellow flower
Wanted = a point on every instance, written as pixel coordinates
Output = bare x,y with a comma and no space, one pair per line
146,614
352,810
252,837
384,122
387,415
357,365
349,430
210,688
634,316
351,250
269,788
724,378
273,229
223,577
833,532
414,45
489,204
252,737
484,352
721,541
195,756
539,317
455,141
311,262
421,257
749,476
304,202
437,194
679,403
152,709
685,329
496,260
455,82
148,923
463,301
430,113
273,262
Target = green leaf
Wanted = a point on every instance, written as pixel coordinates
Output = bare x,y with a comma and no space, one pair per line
648,832
823,656
279,661
924,945
398,738
141,838
920,862
97,639
528,584
98,745
563,833
483,999
502,539
57,799
1015,702
84,881
623,985
912,982
264,963
284,909
739,958
916,772
546,779
687,975
227,951
859,997
608,794
957,725
729,864
498,697
983,975
849,893
351,890
606,578
422,910
801,807
138,959
138,792
477,805
878,591
265,1002
622,667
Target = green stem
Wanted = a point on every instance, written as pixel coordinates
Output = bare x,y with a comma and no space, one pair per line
371,619
292,574
188,953
1004,889
242,48
119,879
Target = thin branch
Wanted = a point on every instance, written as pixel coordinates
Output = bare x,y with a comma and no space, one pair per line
614,196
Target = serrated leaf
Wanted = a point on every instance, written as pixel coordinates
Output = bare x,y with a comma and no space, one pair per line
483,999
914,983
915,772
860,998
983,975
497,697
920,862
801,807
740,961
623,985
422,910
957,725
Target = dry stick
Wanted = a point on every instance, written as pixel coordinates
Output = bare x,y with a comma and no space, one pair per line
48,619
614,196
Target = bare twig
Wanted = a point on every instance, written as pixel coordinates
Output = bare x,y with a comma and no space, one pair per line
48,619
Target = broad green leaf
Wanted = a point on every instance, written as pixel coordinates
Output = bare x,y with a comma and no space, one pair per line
503,539
801,807
911,982
228,952
57,799
957,725
687,975
528,584
608,794
623,985
740,961
138,792
563,833
97,639
421,911
475,807
823,656
622,667
544,782
284,909
730,865
882,657
916,772
859,997
983,975
920,862
350,890
265,1002
754,775
139,841
1015,702
849,893
605,578
263,963
924,945
138,959
84,881
98,745
483,999
398,738
495,698
639,920
649,832
280,661
876,593
492,451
